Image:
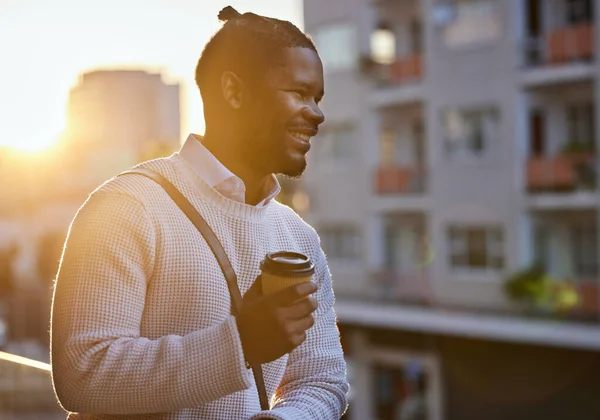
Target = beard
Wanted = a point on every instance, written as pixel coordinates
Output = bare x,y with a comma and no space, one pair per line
295,171
268,150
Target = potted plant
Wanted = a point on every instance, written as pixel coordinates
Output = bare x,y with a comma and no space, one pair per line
536,291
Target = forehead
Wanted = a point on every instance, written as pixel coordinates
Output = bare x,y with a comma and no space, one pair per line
297,64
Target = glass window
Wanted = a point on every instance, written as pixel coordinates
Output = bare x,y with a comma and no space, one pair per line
470,133
387,146
472,22
340,242
585,251
400,392
337,141
580,124
337,47
580,11
476,247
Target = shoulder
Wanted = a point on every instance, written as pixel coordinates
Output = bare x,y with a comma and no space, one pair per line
124,196
137,186
298,226
134,187
289,216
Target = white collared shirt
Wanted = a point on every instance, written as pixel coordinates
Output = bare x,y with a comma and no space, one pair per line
215,174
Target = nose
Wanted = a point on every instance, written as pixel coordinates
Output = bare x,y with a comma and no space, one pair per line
314,114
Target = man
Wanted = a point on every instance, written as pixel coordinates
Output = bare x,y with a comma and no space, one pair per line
141,320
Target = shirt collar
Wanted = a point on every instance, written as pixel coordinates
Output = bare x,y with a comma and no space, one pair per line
204,162
215,174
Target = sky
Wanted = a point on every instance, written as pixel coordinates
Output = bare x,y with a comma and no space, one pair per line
45,45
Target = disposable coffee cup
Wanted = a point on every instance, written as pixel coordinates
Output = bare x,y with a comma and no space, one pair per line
280,270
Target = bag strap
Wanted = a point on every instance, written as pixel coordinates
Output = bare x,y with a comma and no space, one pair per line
220,254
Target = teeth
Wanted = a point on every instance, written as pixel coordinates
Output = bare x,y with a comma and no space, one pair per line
301,136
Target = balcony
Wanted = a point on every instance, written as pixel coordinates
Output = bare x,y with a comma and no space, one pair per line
560,56
391,180
411,288
570,44
588,292
403,70
565,173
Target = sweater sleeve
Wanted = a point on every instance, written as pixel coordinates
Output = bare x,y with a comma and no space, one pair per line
100,363
314,385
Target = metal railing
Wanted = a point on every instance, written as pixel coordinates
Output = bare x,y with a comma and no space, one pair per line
562,173
411,288
559,46
26,390
400,179
403,70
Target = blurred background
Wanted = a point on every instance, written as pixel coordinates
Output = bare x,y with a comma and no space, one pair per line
454,185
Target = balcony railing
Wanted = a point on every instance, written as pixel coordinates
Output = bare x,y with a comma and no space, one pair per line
412,287
409,179
589,299
408,69
561,46
26,390
562,173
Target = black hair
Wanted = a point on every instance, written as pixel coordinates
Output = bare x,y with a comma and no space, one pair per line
248,45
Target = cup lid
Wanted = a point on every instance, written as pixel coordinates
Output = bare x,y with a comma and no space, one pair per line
287,263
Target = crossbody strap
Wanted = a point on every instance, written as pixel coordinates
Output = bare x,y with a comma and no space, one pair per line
217,249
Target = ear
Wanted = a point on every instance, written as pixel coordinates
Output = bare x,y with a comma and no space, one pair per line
232,88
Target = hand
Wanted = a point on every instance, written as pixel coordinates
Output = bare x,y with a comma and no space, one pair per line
271,326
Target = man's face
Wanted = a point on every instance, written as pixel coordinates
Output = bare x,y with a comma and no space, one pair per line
282,113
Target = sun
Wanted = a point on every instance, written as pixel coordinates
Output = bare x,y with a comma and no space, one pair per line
24,141
29,133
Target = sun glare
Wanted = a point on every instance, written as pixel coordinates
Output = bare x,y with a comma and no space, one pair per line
59,40
29,139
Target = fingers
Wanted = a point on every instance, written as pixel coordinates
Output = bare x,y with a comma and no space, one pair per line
298,339
300,309
291,294
296,330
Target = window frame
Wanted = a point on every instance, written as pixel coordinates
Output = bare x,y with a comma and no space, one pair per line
462,259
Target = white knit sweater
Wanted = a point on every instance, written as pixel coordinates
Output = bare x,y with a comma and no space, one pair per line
141,324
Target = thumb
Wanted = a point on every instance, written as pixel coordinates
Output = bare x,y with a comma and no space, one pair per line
255,291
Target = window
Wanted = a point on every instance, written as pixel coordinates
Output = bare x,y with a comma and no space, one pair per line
470,133
337,46
402,145
585,251
472,22
476,247
580,125
337,141
340,242
387,146
401,392
567,251
580,11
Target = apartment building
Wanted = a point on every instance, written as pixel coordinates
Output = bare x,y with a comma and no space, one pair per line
117,118
460,150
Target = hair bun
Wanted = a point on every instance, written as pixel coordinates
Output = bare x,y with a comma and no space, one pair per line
228,13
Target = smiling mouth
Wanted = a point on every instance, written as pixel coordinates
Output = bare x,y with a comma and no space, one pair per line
300,136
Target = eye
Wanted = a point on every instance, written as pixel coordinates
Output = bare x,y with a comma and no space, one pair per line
300,93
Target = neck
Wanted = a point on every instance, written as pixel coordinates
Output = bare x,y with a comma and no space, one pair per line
220,145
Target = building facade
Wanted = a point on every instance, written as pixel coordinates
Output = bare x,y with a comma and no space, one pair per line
115,119
457,158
